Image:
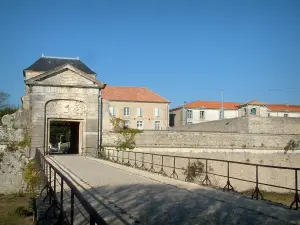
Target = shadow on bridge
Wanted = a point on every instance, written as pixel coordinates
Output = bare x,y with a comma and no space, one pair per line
169,204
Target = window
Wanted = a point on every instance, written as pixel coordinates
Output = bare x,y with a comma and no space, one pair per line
126,123
139,112
139,124
126,111
269,115
157,125
189,114
112,110
285,115
157,112
253,111
201,114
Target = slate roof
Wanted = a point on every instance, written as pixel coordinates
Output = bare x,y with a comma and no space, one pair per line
133,94
48,63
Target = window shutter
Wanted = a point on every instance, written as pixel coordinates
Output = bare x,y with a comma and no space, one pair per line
138,111
141,111
159,112
111,110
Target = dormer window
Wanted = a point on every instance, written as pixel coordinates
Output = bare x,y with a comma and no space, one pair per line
253,111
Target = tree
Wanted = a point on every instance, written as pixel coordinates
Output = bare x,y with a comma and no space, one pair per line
4,107
3,99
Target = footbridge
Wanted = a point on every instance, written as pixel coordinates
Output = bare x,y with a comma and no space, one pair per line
122,187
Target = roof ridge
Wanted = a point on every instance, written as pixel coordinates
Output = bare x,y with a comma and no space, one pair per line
56,57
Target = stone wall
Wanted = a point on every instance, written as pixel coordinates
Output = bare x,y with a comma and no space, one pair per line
248,124
277,177
204,139
12,165
227,125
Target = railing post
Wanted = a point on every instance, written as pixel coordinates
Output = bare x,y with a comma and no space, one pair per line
92,221
188,175
50,188
117,156
256,190
152,165
206,179
72,207
143,164
54,185
174,174
128,160
135,164
162,172
61,193
122,157
113,157
296,198
228,184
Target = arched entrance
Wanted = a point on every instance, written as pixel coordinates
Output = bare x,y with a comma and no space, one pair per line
65,126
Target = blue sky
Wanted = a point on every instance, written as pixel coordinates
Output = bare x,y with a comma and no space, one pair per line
184,50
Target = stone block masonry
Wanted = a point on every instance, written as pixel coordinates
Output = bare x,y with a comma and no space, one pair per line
205,139
248,124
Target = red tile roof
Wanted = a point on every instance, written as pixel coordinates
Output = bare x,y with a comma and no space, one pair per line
234,105
284,107
211,105
134,94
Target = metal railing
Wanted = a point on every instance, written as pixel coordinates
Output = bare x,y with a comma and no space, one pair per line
48,169
119,156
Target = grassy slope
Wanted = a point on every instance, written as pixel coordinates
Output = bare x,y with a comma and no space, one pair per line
8,205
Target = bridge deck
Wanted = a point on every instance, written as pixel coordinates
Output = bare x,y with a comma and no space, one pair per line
123,195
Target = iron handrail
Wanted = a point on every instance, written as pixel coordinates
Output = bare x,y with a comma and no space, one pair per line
95,218
206,180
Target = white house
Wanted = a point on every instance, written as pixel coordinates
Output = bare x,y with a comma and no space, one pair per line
203,111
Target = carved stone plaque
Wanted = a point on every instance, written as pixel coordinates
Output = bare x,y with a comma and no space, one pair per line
70,109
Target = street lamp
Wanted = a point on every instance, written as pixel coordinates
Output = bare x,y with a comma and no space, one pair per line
184,113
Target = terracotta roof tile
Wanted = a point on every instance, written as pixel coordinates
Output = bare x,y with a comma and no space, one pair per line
234,105
255,102
134,94
212,105
284,107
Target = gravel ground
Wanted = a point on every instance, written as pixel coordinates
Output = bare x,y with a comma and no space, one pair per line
123,195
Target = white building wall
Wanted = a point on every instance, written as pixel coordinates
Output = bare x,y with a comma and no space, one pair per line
228,114
281,114
214,114
210,115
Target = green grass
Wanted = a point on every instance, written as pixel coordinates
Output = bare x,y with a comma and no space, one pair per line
10,206
283,198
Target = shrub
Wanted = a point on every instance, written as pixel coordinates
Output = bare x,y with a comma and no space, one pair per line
23,211
12,147
32,177
127,139
26,142
1,156
7,110
194,170
19,194
291,145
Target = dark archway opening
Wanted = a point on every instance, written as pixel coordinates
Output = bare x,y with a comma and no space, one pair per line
64,137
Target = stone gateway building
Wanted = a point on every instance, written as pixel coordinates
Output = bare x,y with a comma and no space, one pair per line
63,89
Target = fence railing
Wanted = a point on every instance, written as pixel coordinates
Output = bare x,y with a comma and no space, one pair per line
52,175
157,164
